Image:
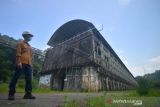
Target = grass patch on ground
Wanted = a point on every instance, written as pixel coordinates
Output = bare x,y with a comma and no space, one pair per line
128,93
3,87
128,98
103,99
154,92
151,93
114,99
20,89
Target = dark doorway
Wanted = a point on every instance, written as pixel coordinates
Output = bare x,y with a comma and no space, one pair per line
57,80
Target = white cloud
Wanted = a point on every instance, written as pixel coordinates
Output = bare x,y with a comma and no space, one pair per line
149,66
153,64
155,60
45,47
137,71
124,2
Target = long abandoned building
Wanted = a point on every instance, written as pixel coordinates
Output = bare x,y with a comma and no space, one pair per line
81,59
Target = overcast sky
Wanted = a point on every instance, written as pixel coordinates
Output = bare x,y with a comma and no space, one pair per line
131,27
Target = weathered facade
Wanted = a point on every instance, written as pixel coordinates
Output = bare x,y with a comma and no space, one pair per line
81,59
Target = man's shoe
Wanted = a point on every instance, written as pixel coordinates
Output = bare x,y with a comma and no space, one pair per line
11,97
29,96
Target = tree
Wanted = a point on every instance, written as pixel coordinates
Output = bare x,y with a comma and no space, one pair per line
6,63
7,58
143,86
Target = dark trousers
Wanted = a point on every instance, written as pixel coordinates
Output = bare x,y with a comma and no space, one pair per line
27,70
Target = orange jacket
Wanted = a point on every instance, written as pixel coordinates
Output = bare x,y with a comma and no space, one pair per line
23,53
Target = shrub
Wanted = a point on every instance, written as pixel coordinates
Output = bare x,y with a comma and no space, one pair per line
143,87
21,83
98,101
156,84
72,103
35,83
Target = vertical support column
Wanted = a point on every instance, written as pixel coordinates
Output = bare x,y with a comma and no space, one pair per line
103,83
110,84
99,83
122,86
107,83
125,86
118,85
113,84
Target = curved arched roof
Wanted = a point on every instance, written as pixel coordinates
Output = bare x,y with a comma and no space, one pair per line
69,30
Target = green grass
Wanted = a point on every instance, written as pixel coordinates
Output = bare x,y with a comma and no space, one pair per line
129,93
108,99
20,89
72,103
3,87
151,93
152,99
99,101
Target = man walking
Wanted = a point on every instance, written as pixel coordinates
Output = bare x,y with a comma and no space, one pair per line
23,65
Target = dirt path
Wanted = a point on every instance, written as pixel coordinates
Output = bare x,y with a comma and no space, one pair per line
42,100
57,100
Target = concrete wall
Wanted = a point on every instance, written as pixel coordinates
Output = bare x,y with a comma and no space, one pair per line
110,64
45,80
82,79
